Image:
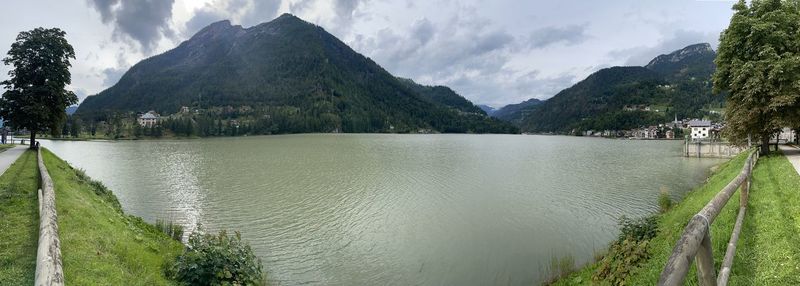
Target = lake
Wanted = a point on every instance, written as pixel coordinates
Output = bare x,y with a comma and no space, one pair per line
379,209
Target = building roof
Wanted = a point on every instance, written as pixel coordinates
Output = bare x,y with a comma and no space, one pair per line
148,116
699,123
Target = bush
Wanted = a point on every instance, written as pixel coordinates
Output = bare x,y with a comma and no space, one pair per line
217,260
170,228
664,201
630,249
623,257
638,229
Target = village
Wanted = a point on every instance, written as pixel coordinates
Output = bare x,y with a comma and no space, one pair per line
694,129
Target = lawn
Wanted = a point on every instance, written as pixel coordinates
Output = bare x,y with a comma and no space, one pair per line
4,147
767,252
100,245
19,221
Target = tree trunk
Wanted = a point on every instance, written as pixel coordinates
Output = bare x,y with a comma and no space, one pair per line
764,145
33,140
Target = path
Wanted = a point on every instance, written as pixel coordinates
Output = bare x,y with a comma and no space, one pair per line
9,156
793,154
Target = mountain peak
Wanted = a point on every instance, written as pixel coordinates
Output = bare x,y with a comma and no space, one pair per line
682,54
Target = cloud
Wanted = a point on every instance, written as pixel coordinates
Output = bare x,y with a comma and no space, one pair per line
640,56
568,35
144,22
244,12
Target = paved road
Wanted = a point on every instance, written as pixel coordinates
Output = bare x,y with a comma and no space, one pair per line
9,156
793,154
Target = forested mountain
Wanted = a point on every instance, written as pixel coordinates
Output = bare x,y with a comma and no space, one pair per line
617,98
284,76
442,95
516,112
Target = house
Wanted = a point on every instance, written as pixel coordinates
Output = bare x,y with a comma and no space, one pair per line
184,109
670,134
700,129
148,119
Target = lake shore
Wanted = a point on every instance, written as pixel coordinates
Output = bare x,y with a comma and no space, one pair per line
761,257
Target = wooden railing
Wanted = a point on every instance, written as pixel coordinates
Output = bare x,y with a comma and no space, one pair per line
695,243
48,256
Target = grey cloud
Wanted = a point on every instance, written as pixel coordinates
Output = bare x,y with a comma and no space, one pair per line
568,35
143,21
200,20
105,8
639,56
261,11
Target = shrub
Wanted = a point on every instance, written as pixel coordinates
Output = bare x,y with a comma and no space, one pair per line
170,228
217,260
630,249
639,229
664,201
623,257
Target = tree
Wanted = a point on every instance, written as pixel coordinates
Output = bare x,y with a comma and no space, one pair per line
35,98
758,64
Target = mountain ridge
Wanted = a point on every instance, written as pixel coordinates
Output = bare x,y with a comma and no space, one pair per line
294,73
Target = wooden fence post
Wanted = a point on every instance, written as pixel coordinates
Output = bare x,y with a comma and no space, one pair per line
705,261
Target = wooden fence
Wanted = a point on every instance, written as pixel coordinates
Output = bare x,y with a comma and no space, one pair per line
695,243
48,255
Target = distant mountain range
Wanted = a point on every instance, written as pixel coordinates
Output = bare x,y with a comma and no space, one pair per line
675,84
285,76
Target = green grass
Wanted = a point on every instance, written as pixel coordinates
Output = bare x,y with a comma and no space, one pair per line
768,252
100,245
4,147
19,221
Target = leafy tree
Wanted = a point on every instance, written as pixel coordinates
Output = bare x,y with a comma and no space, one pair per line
759,66
35,98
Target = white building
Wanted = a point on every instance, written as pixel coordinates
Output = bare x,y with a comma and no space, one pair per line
700,129
148,119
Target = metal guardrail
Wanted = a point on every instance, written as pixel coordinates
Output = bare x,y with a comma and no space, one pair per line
48,255
695,243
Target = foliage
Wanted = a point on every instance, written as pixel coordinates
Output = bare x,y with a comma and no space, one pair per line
35,98
664,201
170,228
628,251
217,260
759,66
640,229
285,76
622,259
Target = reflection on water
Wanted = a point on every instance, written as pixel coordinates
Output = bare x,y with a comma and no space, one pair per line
396,209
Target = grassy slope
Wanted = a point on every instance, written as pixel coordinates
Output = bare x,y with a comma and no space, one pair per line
100,245
767,252
19,221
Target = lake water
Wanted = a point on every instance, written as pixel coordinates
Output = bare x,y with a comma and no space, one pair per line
397,209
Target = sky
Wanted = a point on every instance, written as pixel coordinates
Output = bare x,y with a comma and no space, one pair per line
491,52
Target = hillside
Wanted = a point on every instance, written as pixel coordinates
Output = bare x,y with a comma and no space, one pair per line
516,112
617,98
443,95
284,76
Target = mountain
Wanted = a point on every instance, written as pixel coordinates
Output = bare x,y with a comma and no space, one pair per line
618,98
695,61
442,95
284,76
71,109
488,109
515,112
